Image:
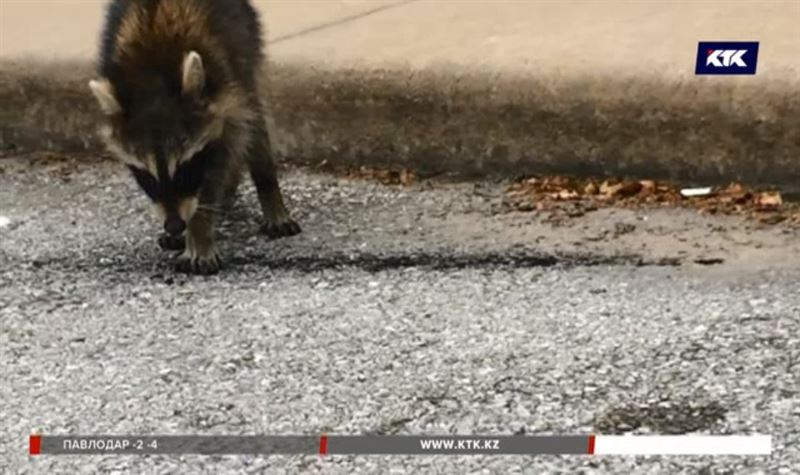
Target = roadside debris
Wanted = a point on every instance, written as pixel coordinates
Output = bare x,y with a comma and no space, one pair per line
402,177
4,221
564,197
709,261
623,228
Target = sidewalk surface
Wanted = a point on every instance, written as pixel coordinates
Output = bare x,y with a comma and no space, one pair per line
399,310
544,37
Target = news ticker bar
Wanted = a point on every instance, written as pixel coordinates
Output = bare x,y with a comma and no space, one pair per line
402,445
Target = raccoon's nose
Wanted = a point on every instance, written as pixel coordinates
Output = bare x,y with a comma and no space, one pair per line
174,226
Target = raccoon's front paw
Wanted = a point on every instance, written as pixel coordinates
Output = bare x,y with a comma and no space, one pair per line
169,242
281,229
201,265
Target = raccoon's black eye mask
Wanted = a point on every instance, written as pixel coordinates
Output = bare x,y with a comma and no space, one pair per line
187,180
147,182
189,174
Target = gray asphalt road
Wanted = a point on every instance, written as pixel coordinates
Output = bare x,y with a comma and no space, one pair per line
421,310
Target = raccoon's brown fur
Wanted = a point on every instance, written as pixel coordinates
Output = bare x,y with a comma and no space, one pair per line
179,89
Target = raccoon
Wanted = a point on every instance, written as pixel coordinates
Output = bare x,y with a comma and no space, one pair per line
179,91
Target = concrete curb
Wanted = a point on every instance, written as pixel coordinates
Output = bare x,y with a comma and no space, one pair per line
471,124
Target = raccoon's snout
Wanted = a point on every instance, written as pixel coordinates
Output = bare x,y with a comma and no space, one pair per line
174,226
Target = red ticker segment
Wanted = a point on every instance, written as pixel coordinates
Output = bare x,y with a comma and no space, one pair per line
323,445
35,445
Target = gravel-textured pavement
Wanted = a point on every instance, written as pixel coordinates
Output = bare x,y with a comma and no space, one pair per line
418,310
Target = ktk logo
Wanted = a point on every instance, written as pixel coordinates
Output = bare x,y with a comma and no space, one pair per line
726,57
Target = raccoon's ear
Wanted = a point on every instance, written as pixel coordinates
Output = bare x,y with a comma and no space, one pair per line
194,76
104,92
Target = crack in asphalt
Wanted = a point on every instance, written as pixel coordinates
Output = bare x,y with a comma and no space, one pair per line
444,261
368,262
667,418
338,22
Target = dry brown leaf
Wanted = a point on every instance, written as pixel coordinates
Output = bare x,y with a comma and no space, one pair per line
648,186
607,188
629,189
768,200
567,195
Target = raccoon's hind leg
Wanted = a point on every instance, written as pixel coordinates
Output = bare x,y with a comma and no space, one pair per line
277,222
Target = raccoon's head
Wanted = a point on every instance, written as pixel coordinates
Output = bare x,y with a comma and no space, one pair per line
167,129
